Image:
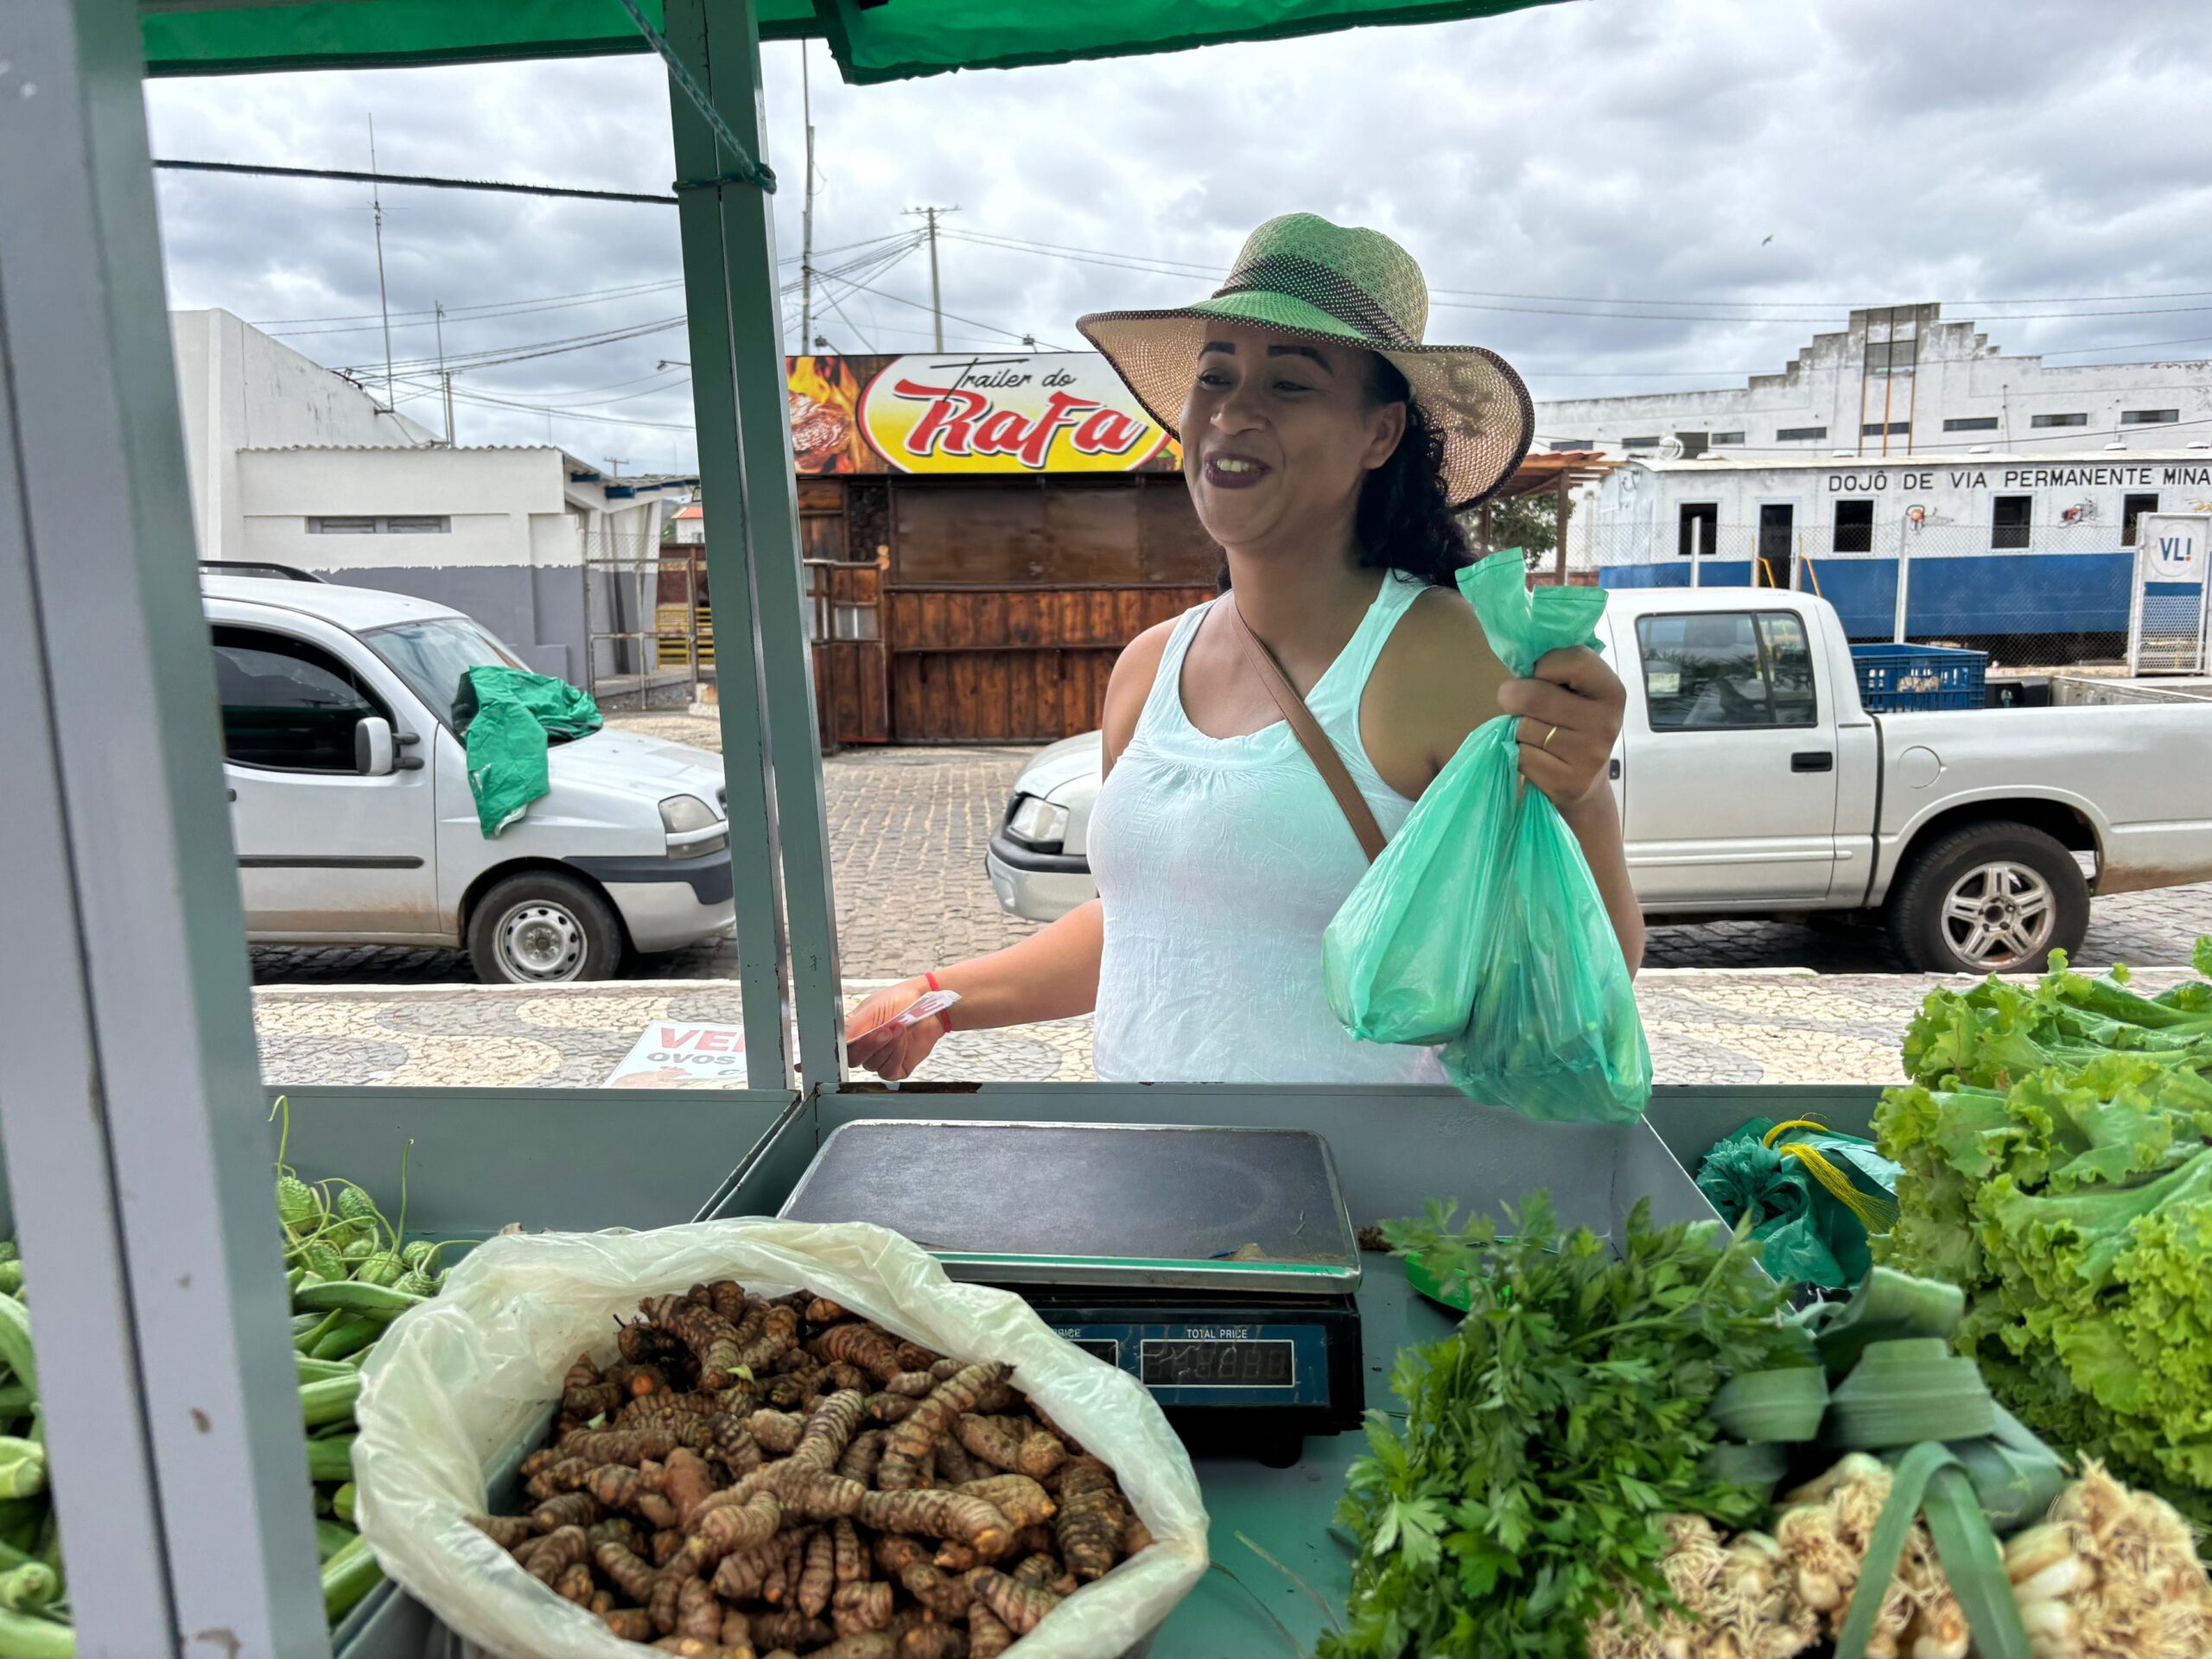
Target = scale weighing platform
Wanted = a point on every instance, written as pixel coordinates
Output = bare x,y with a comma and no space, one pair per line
1216,1266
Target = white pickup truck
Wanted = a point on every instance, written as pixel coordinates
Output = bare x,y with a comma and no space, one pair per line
353,817
1753,783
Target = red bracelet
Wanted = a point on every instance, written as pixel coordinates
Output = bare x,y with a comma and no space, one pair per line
944,1015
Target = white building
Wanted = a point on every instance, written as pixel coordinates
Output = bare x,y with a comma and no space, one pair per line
1900,382
691,525
292,464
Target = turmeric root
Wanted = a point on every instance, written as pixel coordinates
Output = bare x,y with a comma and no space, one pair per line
666,1546
813,1494
630,1446
686,1482
566,1475
1043,1569
871,1645
629,1572
727,1298
913,1357
555,1553
507,1531
1020,1607
829,1430
822,1310
890,1407
955,1557
862,1457
858,1608
737,1630
819,1576
915,1384
910,1441
1019,1498
742,1573
848,1556
988,1636
697,1612
732,1442
943,1593
953,1466
778,1335
631,1623
1091,1518
666,1601
895,1552
964,1520
575,1585
1037,1540
585,1393
788,1628
692,1647
776,1431
1137,1537
867,1346
712,1340
719,1531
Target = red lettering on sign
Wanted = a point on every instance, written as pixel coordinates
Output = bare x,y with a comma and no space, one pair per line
1109,432
947,420
714,1042
1001,433
669,1039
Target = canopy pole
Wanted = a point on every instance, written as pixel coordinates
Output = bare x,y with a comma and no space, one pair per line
131,1107
744,168
731,247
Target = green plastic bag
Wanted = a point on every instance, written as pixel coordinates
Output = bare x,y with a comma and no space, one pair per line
509,715
1480,926
1811,1195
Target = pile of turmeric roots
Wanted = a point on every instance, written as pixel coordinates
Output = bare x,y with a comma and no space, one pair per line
2111,1574
773,1475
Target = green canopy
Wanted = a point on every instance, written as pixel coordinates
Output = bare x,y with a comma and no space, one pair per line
872,39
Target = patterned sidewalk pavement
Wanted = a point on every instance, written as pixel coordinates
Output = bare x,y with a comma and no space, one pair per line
1719,1027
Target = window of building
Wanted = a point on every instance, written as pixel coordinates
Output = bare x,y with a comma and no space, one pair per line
366,524
2058,420
1875,429
1800,434
2010,518
1725,437
1726,670
1892,356
2149,417
1971,423
287,704
2132,507
1640,443
1854,527
1570,446
1697,530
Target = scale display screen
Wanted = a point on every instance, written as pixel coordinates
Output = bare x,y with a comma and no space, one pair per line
1203,1362
1105,1347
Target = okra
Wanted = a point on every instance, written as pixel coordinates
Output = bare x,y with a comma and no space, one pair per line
329,1538
304,1323
328,1461
341,1502
349,1336
22,1467
353,1296
294,1279
346,1577
304,1341
27,1635
15,1343
328,1400
15,1401
319,1371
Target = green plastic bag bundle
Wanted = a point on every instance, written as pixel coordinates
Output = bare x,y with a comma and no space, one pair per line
1812,1195
1480,926
509,715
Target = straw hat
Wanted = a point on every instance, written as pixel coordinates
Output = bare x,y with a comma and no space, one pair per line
1306,278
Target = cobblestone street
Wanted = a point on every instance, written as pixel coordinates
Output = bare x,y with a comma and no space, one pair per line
908,828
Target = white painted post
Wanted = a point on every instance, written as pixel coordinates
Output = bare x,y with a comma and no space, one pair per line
1697,552
1904,580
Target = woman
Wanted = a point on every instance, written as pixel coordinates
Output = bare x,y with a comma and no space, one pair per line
1326,450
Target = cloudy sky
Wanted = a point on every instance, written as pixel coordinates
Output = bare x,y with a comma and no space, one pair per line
1620,195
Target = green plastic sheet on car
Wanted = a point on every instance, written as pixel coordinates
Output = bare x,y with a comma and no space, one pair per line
509,717
892,41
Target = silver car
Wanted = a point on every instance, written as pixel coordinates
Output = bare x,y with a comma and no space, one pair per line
1037,863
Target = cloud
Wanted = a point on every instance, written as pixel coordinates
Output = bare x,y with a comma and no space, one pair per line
1640,151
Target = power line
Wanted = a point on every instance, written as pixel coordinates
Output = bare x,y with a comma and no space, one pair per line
420,181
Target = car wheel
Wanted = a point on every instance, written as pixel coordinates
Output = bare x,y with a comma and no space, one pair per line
542,929
1990,898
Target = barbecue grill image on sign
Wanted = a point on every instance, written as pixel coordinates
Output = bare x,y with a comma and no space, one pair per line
1056,413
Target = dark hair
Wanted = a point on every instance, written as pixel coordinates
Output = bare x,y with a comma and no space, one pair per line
1404,521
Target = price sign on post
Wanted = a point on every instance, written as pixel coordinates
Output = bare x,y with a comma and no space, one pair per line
2173,551
670,1055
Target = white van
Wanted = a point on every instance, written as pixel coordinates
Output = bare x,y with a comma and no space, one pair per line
351,814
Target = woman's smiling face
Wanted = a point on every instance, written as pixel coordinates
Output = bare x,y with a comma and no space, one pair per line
1280,433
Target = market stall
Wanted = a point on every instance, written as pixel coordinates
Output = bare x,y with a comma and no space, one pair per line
169,1399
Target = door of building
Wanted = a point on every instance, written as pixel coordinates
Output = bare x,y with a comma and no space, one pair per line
1777,528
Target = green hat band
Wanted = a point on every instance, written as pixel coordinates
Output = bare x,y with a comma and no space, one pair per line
1324,287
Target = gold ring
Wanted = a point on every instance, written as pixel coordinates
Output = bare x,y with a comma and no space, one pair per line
1546,744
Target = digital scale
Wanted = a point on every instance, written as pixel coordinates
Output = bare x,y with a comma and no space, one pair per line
1216,1266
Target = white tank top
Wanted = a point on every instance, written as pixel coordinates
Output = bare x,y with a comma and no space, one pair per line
1220,862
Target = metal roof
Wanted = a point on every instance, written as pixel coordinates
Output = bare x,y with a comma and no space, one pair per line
1712,463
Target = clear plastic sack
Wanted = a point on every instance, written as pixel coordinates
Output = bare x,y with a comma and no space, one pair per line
1480,926
457,1380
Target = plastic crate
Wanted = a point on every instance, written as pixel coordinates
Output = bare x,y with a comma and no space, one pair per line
1895,678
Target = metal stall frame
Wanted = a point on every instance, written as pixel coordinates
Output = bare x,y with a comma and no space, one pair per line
130,1111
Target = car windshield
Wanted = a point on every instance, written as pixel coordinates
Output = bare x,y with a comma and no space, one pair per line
432,656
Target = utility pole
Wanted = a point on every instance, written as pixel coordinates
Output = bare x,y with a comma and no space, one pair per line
376,203
444,379
615,464
936,297
806,215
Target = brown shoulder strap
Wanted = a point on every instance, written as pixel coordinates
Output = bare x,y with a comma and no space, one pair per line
1311,737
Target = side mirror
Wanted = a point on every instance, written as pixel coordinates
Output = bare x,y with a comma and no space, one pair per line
372,746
